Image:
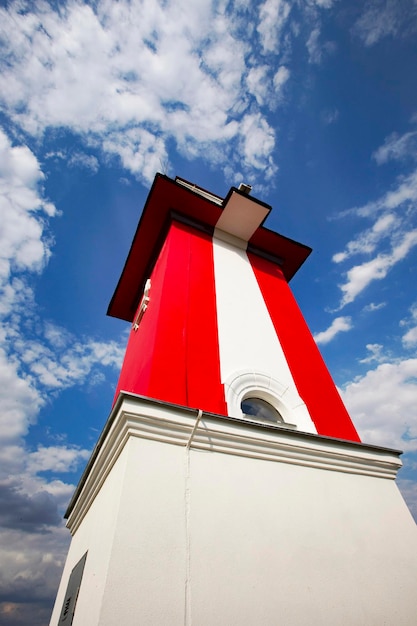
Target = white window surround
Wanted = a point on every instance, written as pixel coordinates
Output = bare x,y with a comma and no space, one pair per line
249,384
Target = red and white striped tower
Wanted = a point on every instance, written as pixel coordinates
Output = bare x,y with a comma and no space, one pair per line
229,485
221,323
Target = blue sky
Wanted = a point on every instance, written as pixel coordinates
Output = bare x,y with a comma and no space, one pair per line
313,103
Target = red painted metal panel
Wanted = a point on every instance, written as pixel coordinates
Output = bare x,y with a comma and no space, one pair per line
311,376
168,379
139,357
205,390
173,356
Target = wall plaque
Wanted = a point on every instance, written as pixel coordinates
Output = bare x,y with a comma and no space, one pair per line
71,594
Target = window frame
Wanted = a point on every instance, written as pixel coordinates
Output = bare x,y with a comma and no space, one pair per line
249,384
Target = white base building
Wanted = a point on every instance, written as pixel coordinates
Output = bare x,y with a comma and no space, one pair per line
213,521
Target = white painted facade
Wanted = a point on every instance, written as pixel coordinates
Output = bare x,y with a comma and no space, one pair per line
251,355
204,520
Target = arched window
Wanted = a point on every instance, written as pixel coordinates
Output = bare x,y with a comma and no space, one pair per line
261,410
258,397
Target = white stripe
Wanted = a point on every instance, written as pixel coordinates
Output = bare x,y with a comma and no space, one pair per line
247,338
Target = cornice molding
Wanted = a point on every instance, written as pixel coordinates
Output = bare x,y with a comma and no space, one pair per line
134,416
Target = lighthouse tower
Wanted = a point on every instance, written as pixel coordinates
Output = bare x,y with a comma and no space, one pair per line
229,485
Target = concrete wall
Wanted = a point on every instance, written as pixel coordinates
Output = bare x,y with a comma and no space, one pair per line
95,535
283,544
244,525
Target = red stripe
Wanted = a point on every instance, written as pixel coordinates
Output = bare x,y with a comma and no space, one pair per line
168,372
205,390
143,352
174,354
311,376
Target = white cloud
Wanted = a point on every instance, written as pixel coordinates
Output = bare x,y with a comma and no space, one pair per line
76,159
409,339
19,399
325,4
405,191
33,540
330,116
140,151
389,240
124,91
379,19
317,49
397,147
382,404
257,143
313,46
31,569
383,18
367,241
56,459
273,15
23,245
374,307
258,82
265,87
65,365
281,78
360,276
56,336
375,350
339,324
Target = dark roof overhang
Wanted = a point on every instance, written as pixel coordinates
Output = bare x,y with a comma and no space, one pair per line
171,199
